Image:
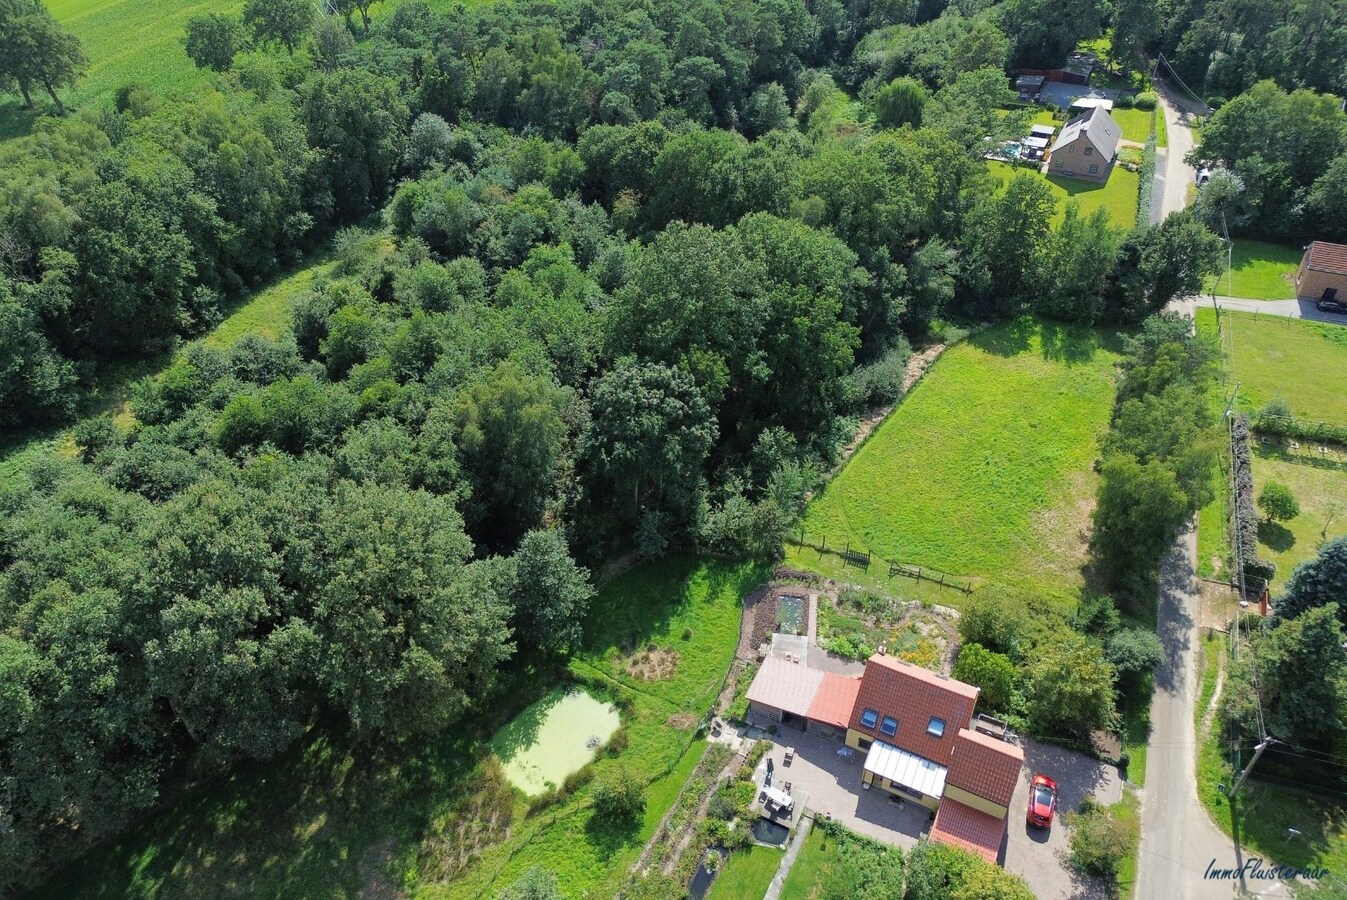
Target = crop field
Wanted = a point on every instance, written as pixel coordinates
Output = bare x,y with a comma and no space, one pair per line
1276,357
337,818
984,469
1118,195
1259,270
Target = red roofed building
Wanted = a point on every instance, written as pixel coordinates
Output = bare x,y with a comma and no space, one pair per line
1323,272
913,726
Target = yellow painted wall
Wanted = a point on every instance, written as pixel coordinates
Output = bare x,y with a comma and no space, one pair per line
981,804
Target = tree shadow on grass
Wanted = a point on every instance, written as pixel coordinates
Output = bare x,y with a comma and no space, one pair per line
1008,339
1069,344
609,837
1276,536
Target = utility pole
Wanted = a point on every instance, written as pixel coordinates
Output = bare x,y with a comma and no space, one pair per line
1257,752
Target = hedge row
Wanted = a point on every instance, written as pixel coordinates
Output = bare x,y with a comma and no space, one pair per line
1257,571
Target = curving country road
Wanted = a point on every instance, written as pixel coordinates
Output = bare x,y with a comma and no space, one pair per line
1178,839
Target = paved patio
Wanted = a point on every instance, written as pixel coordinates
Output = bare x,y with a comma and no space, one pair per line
829,784
1039,856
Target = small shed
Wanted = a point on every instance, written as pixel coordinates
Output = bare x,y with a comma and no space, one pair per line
1028,86
1323,272
1042,131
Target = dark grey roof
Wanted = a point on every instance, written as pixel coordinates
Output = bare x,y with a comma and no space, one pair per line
1098,127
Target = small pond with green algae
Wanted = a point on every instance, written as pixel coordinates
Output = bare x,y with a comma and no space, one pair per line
554,737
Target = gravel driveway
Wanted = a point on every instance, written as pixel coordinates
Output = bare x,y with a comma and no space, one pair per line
1039,856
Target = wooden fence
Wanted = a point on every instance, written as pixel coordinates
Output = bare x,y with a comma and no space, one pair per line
863,559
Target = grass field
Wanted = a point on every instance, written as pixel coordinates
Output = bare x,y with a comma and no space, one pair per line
334,818
1118,195
1292,359
747,874
1258,271
1319,483
1136,123
984,469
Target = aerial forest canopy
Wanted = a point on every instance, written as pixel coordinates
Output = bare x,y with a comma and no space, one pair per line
605,278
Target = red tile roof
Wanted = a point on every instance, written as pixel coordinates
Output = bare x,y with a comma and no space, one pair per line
835,699
985,767
785,685
913,695
968,828
1325,257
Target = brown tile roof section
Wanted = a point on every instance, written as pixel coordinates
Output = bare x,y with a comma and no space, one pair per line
968,828
985,766
835,699
1325,257
912,695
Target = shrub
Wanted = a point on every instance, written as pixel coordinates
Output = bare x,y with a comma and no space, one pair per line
1125,101
1257,571
619,796
577,780
1145,100
1277,502
535,884
1100,839
993,672
617,743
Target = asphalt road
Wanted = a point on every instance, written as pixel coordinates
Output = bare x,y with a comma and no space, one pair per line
1179,841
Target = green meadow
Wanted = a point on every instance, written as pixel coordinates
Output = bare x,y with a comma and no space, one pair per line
984,469
1118,195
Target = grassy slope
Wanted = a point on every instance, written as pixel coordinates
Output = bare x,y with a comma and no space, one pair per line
1118,195
126,41
1263,811
746,875
331,818
1296,360
985,468
1260,271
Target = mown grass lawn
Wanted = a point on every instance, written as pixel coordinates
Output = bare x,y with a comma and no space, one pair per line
337,818
1136,124
984,469
1118,195
747,874
1319,483
806,877
1263,811
1259,270
1301,362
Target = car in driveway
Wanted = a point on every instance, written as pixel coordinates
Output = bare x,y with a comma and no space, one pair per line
1042,801
1331,305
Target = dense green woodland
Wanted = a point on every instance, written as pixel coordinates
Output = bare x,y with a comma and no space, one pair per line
610,278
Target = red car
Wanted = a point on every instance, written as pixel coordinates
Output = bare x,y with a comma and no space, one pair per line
1042,801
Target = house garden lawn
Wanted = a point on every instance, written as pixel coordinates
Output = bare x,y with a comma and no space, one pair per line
1277,357
1263,810
335,817
805,881
1118,195
984,469
746,874
1259,270
1136,123
1319,483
